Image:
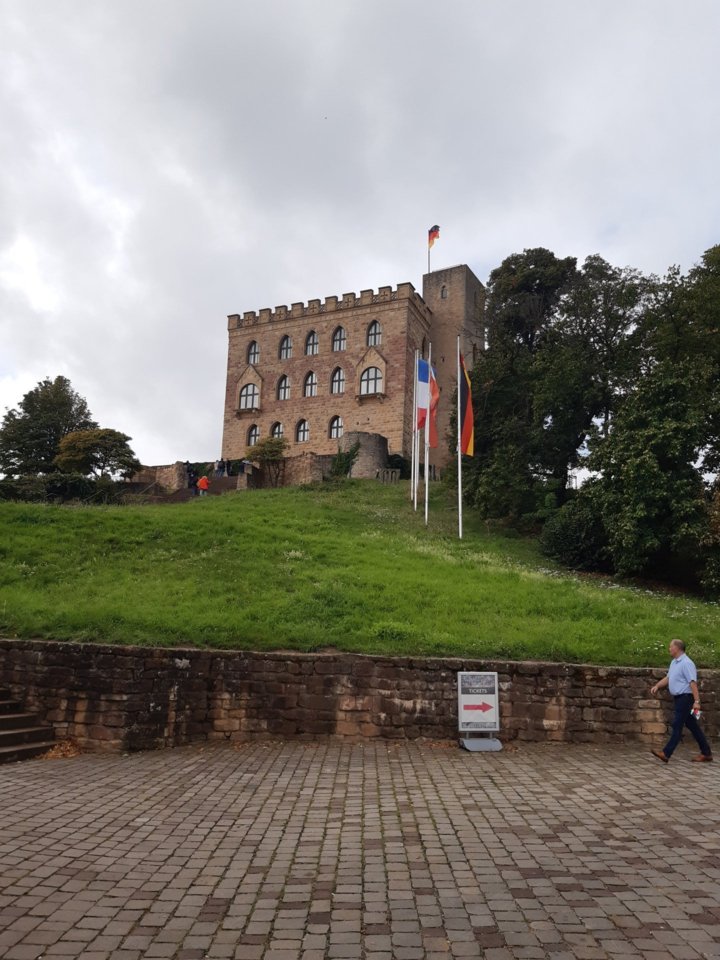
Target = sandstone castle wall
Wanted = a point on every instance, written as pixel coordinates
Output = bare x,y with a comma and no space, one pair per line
407,323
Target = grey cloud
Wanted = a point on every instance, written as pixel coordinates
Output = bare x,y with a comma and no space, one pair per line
163,164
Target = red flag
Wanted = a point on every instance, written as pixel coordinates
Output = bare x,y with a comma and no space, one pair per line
434,391
433,235
466,427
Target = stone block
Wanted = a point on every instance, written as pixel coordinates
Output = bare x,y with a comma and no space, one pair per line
225,726
660,728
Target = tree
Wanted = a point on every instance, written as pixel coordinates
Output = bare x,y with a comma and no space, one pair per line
30,435
682,326
653,370
599,319
100,453
648,490
512,460
270,454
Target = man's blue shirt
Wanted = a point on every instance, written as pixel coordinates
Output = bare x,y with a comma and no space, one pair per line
681,672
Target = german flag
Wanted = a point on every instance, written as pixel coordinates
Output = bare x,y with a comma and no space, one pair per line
467,418
434,397
433,235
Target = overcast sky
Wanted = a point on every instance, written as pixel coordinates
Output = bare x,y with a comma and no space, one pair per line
166,162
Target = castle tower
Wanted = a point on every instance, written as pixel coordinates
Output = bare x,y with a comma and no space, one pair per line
456,299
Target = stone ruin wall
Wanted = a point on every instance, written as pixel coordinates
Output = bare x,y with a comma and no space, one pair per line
169,476
133,698
307,468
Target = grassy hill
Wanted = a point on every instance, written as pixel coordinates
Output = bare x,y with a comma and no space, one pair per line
349,567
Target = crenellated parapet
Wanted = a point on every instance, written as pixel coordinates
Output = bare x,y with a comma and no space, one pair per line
348,301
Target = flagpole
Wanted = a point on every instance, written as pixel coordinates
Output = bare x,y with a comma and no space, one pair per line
414,427
416,446
427,437
459,446
417,466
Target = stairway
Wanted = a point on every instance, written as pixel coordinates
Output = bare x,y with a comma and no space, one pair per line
218,485
22,735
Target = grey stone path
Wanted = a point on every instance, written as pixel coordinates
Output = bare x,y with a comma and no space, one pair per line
334,850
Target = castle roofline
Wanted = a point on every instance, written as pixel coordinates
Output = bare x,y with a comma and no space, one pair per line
348,301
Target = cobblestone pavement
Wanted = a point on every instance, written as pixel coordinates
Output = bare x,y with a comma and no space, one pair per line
331,850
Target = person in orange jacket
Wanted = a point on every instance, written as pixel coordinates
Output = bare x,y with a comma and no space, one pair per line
203,485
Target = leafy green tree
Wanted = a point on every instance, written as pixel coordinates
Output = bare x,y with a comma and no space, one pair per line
30,435
509,471
599,319
100,453
270,453
648,491
682,325
589,359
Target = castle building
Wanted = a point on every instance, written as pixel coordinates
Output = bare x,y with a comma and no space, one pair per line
313,372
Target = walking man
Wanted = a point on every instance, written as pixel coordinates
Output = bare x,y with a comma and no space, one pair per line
681,680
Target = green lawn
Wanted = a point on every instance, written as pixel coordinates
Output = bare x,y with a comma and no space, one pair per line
349,567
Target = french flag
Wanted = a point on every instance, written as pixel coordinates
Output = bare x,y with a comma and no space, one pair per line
423,392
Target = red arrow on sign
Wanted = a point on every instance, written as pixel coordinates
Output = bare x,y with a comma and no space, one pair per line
479,706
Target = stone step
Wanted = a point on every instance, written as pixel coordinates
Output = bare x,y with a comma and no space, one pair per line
20,735
8,705
24,751
18,720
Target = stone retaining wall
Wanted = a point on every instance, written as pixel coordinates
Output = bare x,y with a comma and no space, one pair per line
118,698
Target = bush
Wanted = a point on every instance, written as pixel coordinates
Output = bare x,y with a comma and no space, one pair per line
575,536
398,462
60,487
343,462
55,487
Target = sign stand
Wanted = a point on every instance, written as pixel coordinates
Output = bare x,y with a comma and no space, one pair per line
478,711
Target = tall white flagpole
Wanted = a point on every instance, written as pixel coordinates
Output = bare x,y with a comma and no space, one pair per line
417,467
459,446
414,428
427,437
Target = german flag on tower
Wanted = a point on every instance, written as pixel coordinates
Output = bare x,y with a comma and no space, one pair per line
433,235
467,419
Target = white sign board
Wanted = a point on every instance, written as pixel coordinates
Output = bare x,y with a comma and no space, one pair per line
478,707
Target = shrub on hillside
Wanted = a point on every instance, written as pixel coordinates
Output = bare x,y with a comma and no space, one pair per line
575,536
343,462
53,487
398,462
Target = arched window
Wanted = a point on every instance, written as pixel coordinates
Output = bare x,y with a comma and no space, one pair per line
283,388
312,344
374,334
302,431
337,381
339,340
310,385
443,293
336,428
253,352
371,381
286,348
249,397
253,435
277,430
